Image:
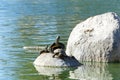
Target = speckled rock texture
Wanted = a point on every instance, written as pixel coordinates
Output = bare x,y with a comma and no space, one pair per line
47,60
96,39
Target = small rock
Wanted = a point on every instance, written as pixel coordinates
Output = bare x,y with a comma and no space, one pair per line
47,60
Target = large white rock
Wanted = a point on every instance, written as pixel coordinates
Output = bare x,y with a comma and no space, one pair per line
96,39
47,60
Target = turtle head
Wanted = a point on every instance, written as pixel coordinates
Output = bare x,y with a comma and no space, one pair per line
46,48
57,39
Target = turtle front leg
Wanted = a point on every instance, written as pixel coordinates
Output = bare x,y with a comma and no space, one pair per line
55,55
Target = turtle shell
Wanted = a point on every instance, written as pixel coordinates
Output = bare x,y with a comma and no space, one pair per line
56,46
59,53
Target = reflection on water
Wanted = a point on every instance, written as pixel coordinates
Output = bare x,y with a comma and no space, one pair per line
52,73
49,71
97,71
37,23
88,71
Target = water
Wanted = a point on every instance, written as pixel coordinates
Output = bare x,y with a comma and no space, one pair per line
37,23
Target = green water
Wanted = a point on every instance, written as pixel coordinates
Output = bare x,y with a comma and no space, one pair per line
37,23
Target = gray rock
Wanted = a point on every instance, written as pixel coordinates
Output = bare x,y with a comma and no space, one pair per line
96,39
47,60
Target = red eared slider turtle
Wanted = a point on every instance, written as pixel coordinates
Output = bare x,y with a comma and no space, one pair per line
60,53
56,45
57,48
44,50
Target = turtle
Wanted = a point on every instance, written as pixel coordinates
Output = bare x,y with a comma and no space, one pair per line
56,45
57,48
60,53
45,50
